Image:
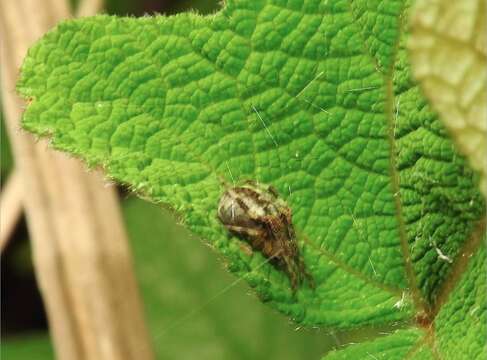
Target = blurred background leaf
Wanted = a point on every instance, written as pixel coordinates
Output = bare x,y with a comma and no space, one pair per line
26,347
6,161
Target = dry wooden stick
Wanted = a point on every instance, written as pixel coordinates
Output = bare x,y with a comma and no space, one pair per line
81,253
10,208
89,7
10,199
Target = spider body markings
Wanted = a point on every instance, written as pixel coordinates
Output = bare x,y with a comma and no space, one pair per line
255,212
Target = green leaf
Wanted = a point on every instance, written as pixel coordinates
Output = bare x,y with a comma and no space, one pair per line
392,347
6,161
27,347
449,58
313,97
461,325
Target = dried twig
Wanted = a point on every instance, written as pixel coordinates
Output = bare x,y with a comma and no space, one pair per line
10,199
10,208
80,249
89,7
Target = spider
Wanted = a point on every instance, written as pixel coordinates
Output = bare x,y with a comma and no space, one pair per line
256,213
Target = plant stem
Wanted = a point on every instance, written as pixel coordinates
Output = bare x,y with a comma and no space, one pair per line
10,207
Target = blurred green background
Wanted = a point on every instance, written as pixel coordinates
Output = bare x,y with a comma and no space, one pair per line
178,276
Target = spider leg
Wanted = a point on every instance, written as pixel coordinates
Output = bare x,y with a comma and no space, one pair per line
244,231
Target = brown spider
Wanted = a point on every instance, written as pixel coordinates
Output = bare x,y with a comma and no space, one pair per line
256,213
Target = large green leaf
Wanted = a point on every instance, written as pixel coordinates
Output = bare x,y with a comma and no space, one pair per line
314,97
461,325
396,346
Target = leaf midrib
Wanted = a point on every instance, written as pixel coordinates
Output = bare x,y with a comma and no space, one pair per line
418,299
